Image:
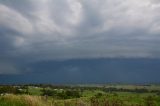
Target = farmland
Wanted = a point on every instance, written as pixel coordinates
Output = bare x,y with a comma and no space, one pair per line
80,95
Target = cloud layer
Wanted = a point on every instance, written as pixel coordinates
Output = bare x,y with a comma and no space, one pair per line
38,30
85,71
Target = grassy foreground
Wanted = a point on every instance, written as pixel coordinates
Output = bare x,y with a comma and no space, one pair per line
22,100
79,96
115,99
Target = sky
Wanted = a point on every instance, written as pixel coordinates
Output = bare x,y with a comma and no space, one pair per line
79,41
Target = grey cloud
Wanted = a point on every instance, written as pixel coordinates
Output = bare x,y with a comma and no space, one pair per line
155,1
8,68
66,29
84,71
14,20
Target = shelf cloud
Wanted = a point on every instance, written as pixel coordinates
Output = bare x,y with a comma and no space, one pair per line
33,31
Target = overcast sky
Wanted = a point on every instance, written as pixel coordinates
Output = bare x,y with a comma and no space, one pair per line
36,32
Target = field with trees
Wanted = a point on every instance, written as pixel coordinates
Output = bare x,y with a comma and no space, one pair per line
79,95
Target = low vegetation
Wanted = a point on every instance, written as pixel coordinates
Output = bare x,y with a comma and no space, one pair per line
109,95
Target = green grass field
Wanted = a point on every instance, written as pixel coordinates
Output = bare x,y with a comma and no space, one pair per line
88,97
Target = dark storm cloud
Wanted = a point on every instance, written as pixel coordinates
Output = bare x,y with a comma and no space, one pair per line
32,31
90,71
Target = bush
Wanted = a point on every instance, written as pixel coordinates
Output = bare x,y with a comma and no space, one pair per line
48,92
61,95
10,89
72,94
